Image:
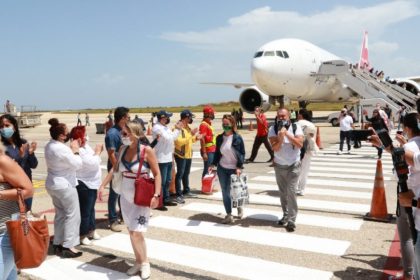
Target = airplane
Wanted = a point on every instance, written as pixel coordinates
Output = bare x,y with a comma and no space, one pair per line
287,68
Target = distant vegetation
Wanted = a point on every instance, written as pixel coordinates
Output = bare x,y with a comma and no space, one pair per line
219,107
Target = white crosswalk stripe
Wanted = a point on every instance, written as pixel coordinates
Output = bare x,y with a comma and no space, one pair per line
333,182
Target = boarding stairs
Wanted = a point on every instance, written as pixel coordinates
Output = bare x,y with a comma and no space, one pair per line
371,89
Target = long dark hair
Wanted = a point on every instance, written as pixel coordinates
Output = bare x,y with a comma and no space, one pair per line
17,140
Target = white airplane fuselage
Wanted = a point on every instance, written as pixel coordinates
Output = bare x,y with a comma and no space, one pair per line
292,72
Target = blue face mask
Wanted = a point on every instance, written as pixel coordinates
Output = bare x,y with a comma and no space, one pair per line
7,132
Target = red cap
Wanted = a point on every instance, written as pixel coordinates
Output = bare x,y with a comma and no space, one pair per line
208,110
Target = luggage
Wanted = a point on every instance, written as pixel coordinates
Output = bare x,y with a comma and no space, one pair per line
208,183
239,190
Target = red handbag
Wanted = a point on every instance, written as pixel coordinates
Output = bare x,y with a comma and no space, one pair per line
144,186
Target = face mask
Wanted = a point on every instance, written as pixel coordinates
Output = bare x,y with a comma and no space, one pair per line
212,117
67,138
190,121
227,128
7,132
126,141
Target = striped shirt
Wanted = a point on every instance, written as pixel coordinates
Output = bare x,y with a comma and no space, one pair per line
7,208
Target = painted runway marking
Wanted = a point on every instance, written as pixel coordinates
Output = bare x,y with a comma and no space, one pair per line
267,215
315,191
340,184
305,203
277,239
68,269
214,261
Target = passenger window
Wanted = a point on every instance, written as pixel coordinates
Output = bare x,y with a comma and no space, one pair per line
286,55
270,53
258,54
279,53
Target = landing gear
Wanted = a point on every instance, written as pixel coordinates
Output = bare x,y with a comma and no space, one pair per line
303,104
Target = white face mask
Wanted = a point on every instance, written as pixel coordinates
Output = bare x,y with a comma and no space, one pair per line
126,141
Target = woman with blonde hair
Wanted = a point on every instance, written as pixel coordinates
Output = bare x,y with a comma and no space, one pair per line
229,159
12,177
136,217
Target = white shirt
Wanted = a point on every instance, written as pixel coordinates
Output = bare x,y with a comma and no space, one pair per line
413,181
90,173
345,123
164,148
228,159
288,154
61,166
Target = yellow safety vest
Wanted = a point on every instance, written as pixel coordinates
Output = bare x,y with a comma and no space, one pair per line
213,142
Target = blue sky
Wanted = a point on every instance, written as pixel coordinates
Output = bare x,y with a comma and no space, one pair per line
102,54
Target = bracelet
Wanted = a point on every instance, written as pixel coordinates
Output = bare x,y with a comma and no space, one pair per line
156,195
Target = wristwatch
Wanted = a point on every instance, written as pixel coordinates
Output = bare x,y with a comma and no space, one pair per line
156,195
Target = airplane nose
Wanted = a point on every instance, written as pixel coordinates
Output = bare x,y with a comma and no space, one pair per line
259,71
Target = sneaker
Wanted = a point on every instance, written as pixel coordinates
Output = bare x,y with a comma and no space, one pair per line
282,221
145,271
228,219
248,161
339,152
240,212
301,193
85,241
134,269
94,235
189,195
290,227
180,200
115,226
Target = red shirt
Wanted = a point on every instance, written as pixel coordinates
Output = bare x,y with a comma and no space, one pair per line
262,126
209,138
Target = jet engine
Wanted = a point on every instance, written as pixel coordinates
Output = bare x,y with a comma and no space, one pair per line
252,97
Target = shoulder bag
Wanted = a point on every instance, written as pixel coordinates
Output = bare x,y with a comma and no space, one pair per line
29,237
144,186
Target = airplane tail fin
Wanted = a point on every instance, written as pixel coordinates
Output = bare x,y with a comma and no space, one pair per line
364,53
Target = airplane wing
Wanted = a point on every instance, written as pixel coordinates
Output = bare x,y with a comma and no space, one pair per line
235,85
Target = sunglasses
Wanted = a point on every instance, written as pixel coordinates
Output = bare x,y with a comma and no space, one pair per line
124,134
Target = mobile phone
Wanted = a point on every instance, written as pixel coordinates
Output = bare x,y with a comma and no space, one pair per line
361,135
399,132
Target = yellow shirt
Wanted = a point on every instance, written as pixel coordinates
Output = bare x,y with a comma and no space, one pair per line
183,144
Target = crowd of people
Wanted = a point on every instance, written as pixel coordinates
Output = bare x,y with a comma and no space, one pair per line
74,179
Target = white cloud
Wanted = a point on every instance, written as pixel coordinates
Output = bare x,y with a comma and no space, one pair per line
382,47
250,30
109,79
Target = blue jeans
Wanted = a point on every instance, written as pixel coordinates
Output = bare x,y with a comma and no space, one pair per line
183,168
87,200
224,180
166,174
112,204
417,257
207,164
7,262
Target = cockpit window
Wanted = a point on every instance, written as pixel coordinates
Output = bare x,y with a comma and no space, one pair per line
279,53
269,53
258,54
285,54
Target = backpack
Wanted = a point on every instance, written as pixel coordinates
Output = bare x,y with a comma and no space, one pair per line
305,141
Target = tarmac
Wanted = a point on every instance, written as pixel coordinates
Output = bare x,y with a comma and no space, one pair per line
332,241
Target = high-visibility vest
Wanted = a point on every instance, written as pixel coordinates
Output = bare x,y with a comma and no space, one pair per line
213,142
